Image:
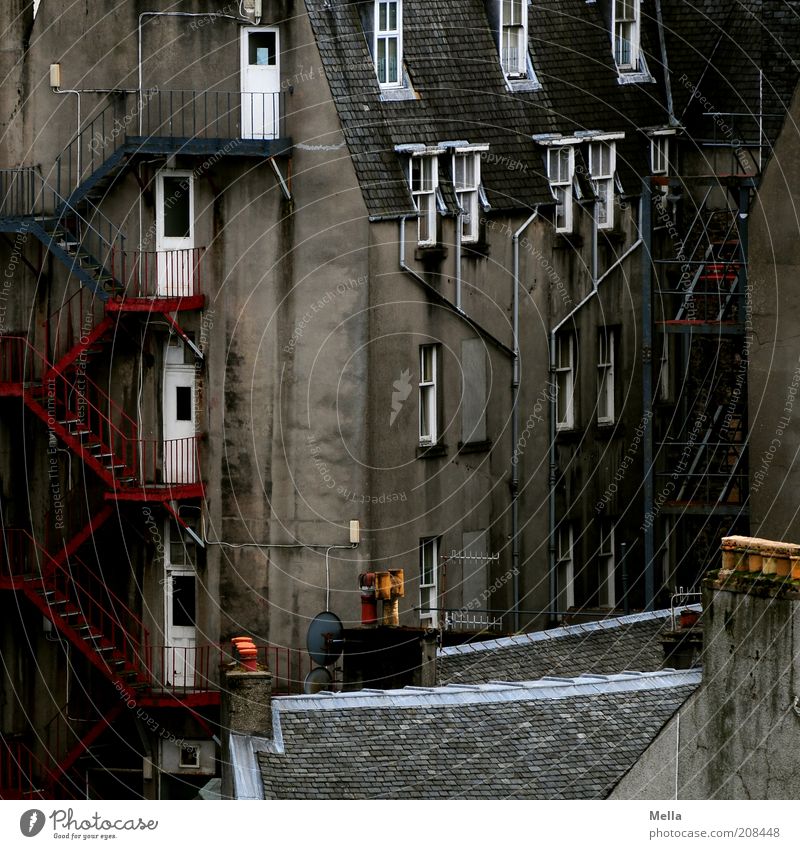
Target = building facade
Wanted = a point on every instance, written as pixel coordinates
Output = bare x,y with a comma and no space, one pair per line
279,267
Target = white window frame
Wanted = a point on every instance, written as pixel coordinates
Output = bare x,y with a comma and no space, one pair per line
514,38
606,343
429,589
385,36
565,380
428,395
659,154
602,167
625,31
607,564
468,193
565,565
424,191
561,175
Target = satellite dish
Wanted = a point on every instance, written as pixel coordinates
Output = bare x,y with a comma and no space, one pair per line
324,639
317,680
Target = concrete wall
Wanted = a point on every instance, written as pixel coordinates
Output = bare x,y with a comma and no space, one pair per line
734,738
774,373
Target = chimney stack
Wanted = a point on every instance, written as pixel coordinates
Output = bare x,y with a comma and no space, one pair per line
245,711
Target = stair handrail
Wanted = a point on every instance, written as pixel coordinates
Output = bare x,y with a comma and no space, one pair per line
133,648
126,439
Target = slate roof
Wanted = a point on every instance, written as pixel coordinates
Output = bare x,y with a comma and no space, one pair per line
547,739
453,66
458,90
607,646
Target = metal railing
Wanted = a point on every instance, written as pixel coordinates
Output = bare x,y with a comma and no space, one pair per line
18,766
179,114
455,619
21,191
159,274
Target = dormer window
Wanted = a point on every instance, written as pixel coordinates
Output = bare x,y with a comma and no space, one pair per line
466,181
424,182
514,38
602,165
626,34
560,173
389,42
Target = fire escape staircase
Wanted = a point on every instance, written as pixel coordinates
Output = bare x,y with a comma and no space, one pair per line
708,465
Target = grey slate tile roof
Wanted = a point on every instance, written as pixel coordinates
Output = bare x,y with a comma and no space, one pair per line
459,91
550,739
607,646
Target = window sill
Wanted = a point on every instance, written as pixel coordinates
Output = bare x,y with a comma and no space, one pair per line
474,447
606,430
394,93
567,241
572,434
627,77
523,84
430,253
425,452
480,249
613,235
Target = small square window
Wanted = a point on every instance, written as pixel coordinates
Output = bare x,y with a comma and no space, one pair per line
190,757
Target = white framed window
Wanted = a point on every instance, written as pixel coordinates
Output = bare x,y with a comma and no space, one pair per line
467,180
428,401
429,581
625,27
565,381
606,557
606,413
560,173
424,181
602,165
565,567
514,38
659,155
389,42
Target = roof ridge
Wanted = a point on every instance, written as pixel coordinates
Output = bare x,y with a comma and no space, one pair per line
498,691
555,633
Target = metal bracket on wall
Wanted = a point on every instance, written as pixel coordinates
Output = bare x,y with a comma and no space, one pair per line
182,333
285,184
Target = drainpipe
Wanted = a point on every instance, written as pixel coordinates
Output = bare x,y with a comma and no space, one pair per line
645,217
596,281
77,131
459,215
515,382
665,65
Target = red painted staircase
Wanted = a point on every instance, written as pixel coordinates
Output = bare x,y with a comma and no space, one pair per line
85,419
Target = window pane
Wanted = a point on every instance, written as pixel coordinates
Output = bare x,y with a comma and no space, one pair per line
262,48
183,403
392,75
382,12
183,600
177,224
393,16
382,60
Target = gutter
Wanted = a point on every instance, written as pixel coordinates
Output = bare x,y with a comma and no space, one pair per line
515,382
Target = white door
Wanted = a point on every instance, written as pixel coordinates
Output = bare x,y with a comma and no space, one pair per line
180,607
174,233
261,83
180,461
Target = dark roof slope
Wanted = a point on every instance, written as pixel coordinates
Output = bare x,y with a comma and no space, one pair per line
551,739
608,646
461,94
